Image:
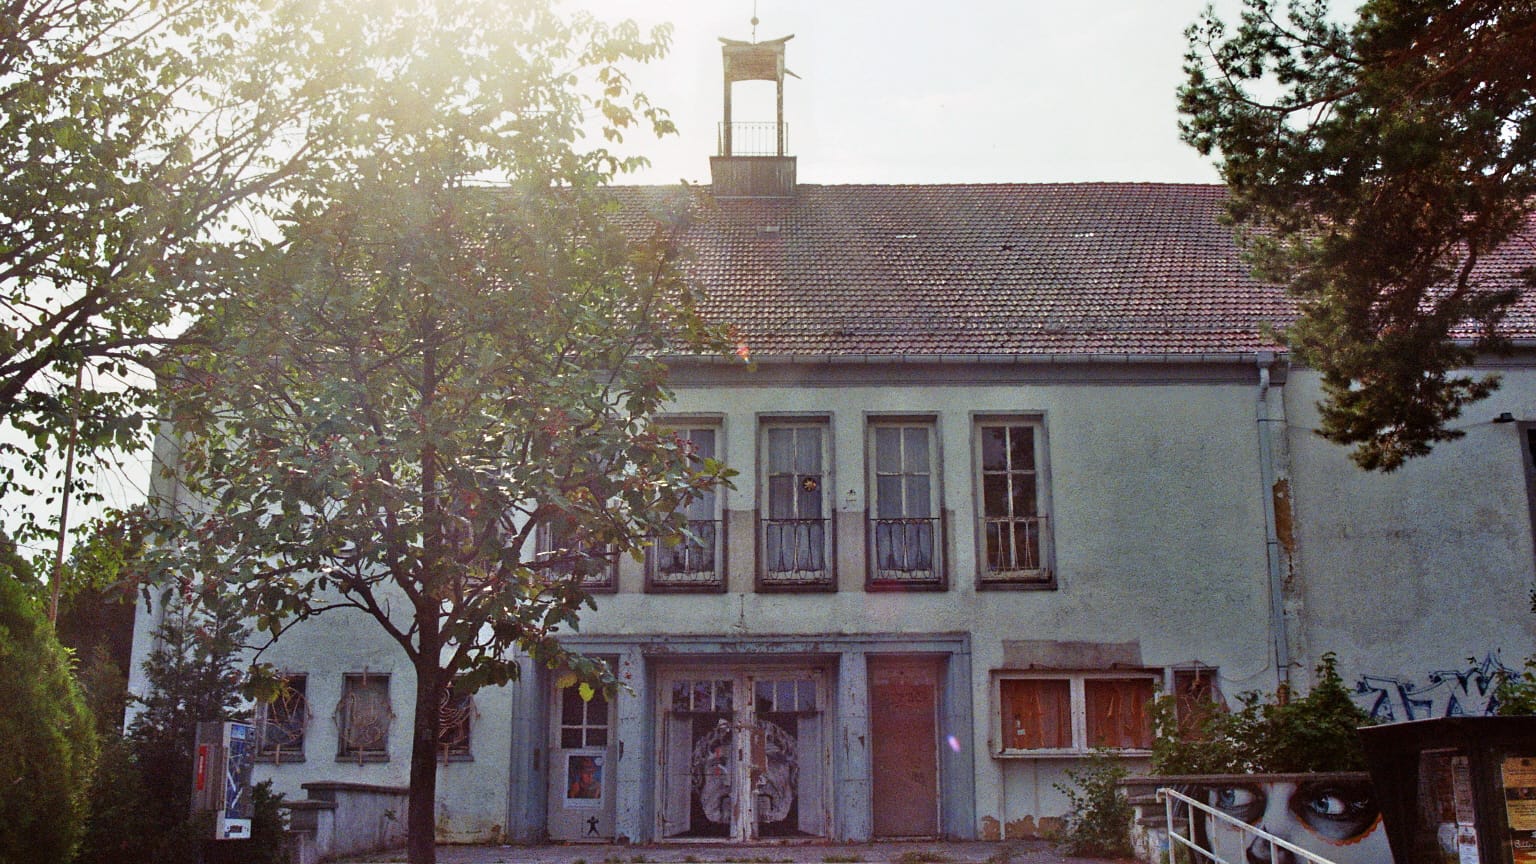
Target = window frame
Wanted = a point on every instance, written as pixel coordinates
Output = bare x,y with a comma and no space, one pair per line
873,581
294,683
1078,710
460,707
1196,692
346,753
604,581
654,584
1043,577
827,582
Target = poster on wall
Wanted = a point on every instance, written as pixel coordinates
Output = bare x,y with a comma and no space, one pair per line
1519,780
584,780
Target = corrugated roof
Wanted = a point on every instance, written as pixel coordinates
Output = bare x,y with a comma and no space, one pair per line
996,269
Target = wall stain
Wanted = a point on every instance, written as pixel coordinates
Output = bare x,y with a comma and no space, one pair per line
1285,519
1049,827
989,829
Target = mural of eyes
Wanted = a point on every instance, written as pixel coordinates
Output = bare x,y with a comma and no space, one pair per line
1337,812
1243,803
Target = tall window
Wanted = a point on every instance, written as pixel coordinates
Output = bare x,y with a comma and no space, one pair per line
1014,534
565,554
904,522
363,718
281,723
694,563
796,542
1074,713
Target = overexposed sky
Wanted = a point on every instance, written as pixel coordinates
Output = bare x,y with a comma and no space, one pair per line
935,92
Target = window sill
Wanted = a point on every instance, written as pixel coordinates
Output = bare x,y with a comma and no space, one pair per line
362,757
285,759
1130,753
902,585
1039,580
456,757
828,586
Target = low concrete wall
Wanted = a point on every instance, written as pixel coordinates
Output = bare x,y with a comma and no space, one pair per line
340,819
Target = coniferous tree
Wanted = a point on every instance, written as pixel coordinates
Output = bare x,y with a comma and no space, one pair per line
1374,169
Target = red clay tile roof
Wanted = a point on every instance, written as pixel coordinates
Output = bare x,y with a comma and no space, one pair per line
987,269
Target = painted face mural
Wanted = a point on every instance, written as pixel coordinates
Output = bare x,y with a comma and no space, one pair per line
775,788
711,768
1339,821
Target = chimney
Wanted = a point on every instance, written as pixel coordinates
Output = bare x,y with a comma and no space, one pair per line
752,160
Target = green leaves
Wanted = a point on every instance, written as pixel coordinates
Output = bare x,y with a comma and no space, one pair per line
391,404
1280,733
1372,169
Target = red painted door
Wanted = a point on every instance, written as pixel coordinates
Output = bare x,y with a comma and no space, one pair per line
903,709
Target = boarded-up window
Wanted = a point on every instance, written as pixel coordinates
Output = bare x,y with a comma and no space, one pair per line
1037,714
1074,712
1116,711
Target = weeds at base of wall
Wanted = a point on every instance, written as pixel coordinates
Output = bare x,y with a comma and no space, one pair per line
1099,821
1001,856
922,856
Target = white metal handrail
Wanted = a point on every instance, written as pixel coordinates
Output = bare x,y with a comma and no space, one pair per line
1170,797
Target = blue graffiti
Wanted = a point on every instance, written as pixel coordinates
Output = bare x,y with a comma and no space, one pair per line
1449,693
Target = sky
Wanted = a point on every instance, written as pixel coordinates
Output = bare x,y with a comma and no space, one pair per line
932,92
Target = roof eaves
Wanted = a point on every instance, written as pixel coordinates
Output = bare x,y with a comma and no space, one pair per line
1225,357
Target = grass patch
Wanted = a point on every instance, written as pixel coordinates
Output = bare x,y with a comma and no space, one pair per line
922,856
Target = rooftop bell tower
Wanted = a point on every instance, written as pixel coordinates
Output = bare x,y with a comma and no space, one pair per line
753,160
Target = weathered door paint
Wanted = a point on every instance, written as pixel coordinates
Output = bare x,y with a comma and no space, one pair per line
903,711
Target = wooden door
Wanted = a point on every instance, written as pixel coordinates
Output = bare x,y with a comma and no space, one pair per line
903,710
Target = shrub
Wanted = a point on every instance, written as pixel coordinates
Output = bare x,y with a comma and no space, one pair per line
1516,693
1099,821
1273,734
142,792
47,737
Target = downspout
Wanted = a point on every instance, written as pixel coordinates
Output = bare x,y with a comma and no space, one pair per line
1274,552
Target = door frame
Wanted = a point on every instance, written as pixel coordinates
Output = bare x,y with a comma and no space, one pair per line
747,744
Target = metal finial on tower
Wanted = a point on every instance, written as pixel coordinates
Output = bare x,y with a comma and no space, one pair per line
754,20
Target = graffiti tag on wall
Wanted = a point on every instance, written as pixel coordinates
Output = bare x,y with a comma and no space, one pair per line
1447,693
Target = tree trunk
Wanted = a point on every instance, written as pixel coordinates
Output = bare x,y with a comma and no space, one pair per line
421,812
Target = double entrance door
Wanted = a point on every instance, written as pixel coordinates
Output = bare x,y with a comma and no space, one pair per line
744,754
